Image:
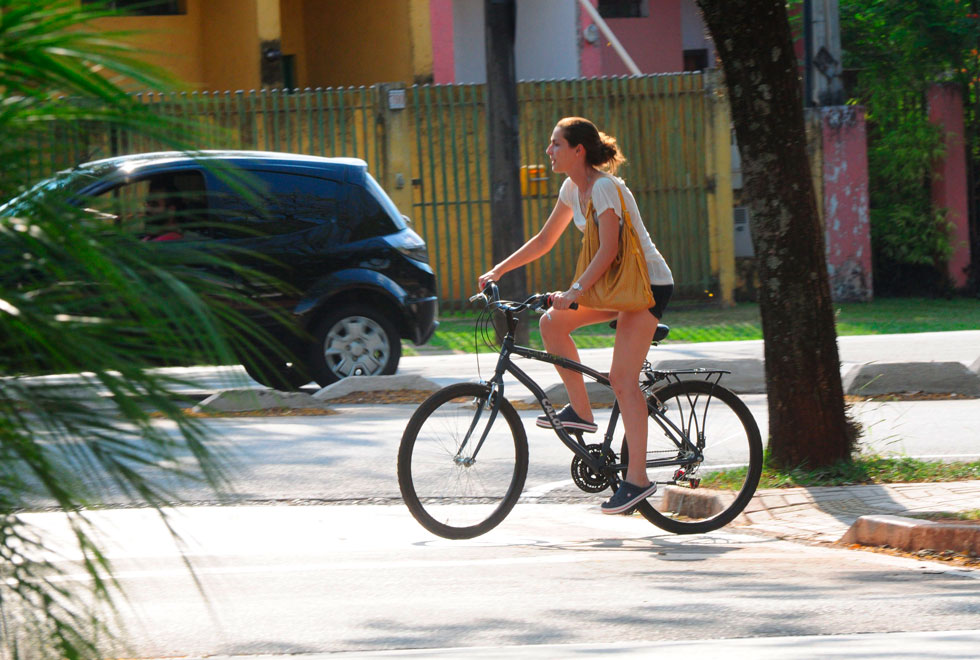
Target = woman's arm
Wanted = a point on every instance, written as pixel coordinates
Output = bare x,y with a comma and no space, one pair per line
608,247
539,245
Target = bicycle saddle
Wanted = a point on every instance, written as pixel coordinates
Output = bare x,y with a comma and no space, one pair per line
659,335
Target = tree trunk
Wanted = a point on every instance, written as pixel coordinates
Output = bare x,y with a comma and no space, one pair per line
808,422
503,146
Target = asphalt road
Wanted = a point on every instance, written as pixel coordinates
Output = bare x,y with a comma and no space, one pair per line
318,579
350,456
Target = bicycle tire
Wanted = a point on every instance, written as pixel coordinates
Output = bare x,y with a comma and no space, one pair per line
733,441
448,494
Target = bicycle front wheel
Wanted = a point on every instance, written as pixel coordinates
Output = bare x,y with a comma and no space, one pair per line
454,486
720,424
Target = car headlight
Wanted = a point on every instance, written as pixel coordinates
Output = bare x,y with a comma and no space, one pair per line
410,244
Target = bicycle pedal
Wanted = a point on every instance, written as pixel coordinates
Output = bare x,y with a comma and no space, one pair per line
695,482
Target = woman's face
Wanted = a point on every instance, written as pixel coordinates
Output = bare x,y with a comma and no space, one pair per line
561,153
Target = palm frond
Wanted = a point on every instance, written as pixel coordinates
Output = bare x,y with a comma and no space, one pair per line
98,305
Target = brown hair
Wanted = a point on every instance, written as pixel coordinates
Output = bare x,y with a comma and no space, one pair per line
601,150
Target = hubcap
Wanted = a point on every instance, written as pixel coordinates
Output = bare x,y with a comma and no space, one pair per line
356,346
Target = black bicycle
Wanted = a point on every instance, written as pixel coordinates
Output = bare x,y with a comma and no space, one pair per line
463,457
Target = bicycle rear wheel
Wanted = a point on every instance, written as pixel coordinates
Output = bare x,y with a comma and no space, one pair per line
448,490
716,420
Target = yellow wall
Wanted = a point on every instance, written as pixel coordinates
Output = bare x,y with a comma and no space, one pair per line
421,37
215,45
170,42
229,29
350,42
294,38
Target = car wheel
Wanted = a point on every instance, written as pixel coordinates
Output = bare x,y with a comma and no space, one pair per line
354,341
276,374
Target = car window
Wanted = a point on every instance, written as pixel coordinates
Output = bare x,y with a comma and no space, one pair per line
53,191
370,216
170,203
278,203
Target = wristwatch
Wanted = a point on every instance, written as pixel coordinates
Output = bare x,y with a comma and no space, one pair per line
577,287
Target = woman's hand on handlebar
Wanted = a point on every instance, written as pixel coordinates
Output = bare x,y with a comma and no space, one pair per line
492,275
564,299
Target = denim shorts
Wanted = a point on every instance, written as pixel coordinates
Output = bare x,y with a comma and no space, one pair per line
661,296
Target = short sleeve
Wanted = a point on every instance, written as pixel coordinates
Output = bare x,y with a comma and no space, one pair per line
567,194
605,195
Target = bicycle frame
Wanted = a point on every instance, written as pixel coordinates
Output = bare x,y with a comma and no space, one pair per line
688,452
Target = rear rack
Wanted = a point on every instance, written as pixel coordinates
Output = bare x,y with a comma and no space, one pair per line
653,376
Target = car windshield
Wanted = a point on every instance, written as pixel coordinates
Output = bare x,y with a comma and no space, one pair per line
385,202
53,190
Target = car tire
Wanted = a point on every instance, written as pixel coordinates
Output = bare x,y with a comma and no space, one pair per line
355,340
278,375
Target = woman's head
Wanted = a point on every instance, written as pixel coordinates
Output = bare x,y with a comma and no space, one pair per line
601,150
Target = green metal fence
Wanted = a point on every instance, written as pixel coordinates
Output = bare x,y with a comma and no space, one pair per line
660,122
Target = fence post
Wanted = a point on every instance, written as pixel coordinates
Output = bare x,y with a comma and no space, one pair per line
721,220
394,132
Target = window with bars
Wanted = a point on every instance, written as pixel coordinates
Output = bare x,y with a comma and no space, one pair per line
142,7
623,8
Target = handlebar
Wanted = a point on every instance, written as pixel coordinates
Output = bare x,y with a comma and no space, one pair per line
491,297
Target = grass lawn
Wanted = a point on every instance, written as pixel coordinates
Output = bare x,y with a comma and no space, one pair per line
711,323
862,470
951,516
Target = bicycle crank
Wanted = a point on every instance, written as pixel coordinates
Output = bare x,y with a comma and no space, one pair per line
584,476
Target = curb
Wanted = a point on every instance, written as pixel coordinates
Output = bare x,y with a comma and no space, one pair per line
892,377
256,400
699,503
358,384
913,534
909,534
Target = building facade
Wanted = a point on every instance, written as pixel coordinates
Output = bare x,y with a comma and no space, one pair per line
217,45
253,44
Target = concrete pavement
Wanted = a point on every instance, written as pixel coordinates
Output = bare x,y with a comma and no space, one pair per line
895,646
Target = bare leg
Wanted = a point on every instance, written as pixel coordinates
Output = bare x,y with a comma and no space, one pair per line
556,328
634,332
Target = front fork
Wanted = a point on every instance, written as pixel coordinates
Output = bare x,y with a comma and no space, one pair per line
494,397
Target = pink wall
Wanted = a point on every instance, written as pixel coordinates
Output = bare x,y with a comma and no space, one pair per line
590,55
949,178
845,202
443,61
654,42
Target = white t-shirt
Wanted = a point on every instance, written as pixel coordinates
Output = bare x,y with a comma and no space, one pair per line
604,196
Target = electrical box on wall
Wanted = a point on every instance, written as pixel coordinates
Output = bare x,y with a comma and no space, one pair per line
743,233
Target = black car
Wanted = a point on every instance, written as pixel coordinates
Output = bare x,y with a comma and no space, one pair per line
350,274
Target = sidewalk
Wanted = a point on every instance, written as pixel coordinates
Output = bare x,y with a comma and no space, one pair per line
868,515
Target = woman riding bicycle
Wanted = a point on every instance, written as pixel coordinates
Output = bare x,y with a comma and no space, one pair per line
591,193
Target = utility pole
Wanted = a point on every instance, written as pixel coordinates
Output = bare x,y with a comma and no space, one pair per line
503,145
823,84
